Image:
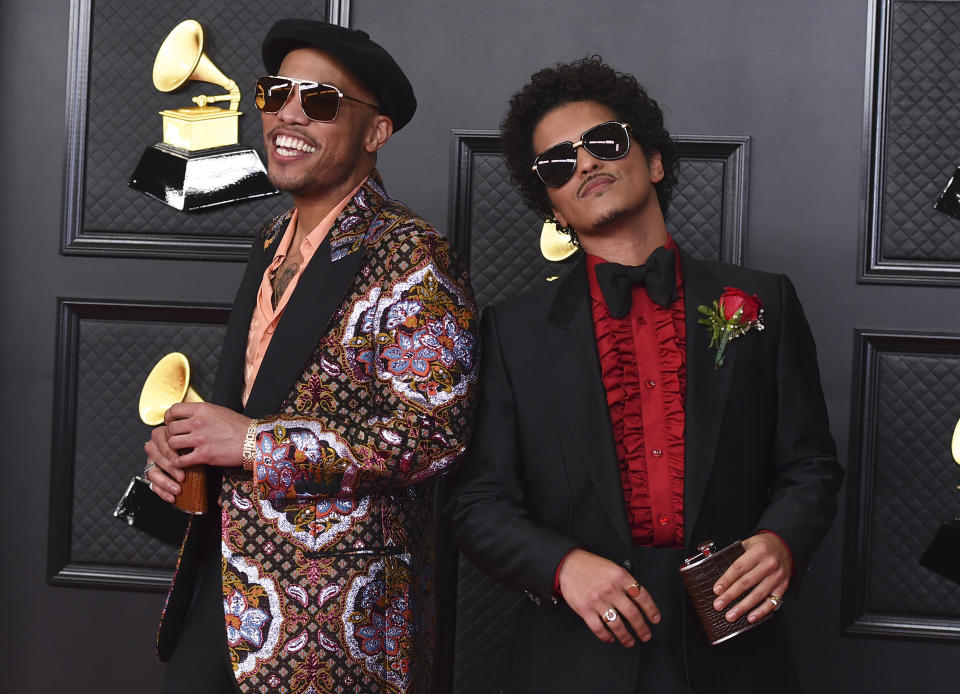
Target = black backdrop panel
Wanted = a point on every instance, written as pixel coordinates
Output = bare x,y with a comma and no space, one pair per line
500,236
902,484
501,232
106,350
915,114
114,117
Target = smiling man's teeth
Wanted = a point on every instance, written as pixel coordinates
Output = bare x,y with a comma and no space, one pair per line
289,146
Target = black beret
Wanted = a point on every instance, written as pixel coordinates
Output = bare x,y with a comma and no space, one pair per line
369,61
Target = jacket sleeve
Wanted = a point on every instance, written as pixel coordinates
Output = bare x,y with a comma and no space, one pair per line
805,473
486,503
395,408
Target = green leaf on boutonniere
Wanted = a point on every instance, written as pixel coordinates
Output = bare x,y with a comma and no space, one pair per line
730,316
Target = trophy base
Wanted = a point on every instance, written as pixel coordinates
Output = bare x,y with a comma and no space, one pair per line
943,554
144,510
191,181
949,200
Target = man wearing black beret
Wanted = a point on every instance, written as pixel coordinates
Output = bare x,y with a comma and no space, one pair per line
345,384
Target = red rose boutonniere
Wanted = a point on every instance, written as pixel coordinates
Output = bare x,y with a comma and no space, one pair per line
732,315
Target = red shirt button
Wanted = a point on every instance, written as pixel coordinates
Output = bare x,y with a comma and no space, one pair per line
657,452
651,384
664,520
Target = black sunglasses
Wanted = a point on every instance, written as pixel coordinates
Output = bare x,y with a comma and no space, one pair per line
607,141
319,101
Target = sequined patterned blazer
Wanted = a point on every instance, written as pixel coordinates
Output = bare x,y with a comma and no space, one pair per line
365,394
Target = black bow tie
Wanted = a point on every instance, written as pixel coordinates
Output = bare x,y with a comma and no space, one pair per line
658,275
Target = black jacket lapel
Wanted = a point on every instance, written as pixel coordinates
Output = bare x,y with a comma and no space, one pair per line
228,386
707,390
567,342
319,293
317,296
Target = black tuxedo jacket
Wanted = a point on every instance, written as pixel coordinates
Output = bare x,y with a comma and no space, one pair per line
541,477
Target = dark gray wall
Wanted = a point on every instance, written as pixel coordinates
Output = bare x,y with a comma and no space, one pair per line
61,639
788,74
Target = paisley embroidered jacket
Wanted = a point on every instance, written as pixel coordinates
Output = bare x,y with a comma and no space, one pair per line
327,548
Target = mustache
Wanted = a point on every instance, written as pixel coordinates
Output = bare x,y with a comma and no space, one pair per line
593,178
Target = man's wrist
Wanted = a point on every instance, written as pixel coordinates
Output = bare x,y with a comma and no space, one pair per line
250,445
793,566
556,576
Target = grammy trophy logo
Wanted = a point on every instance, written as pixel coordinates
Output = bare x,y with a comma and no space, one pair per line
199,163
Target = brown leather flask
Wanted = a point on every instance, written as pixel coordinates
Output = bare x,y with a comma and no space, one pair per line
699,574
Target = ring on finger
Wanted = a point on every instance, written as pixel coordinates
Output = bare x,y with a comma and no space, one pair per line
610,615
633,590
775,600
149,467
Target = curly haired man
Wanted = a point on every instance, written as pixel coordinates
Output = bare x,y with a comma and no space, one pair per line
614,434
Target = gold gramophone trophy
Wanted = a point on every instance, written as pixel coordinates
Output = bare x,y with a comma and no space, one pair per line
199,163
555,246
168,384
943,553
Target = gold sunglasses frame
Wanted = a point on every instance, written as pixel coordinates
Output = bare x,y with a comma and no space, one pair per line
580,143
310,84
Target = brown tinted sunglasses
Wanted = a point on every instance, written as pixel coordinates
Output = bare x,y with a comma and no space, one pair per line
319,101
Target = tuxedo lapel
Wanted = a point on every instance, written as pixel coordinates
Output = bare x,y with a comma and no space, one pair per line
707,390
570,352
228,386
318,294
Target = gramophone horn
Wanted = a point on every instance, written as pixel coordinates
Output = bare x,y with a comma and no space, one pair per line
181,58
955,443
167,384
554,244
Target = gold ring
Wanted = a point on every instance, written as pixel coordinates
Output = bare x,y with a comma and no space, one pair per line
776,600
633,590
610,615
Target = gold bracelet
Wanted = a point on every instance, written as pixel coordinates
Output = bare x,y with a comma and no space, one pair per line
250,445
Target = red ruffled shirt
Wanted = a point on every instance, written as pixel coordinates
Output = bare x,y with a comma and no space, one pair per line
643,361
